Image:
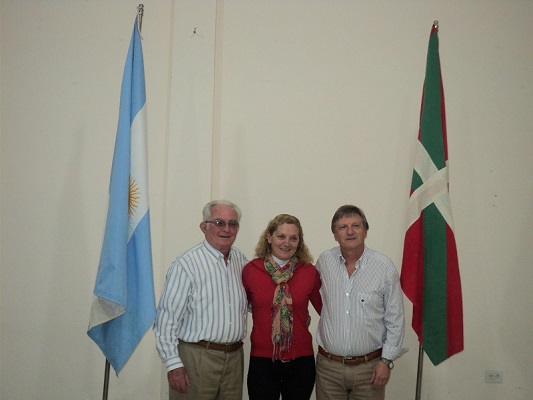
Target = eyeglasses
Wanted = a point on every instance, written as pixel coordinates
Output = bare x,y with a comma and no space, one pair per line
220,223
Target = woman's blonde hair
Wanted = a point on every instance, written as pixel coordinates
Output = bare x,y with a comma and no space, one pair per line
264,249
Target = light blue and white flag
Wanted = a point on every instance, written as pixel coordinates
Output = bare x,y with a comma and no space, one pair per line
123,306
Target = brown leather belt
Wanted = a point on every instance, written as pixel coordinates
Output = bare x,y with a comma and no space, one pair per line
226,348
352,360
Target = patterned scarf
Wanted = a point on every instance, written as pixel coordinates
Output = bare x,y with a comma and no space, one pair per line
281,311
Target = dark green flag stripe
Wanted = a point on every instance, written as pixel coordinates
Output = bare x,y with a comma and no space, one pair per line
416,181
434,314
431,135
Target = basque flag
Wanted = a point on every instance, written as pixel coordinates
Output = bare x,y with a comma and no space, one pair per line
430,268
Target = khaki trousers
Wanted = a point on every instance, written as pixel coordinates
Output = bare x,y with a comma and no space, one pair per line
336,381
214,375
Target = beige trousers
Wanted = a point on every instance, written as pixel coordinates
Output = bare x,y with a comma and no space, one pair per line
214,375
336,381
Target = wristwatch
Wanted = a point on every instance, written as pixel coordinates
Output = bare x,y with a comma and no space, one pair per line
387,362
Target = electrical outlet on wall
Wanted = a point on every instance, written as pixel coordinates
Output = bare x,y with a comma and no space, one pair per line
493,376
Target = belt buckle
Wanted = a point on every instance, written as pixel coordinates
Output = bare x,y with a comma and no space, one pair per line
228,347
344,359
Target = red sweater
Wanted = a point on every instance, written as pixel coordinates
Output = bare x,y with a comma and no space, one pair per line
304,286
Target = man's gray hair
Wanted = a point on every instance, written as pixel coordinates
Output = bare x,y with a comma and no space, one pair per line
206,212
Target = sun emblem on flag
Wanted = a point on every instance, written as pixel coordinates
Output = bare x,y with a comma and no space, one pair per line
134,197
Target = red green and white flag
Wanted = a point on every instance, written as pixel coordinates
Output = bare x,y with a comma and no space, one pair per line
430,269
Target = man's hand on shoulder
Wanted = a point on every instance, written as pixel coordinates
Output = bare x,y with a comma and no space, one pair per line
178,379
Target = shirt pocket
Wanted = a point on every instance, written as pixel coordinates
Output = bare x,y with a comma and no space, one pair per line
370,306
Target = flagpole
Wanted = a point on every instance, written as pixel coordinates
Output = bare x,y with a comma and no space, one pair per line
419,372
140,13
106,379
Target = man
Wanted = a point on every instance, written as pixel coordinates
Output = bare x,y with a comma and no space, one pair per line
201,317
361,327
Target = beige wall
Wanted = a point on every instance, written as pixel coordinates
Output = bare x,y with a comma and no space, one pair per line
281,106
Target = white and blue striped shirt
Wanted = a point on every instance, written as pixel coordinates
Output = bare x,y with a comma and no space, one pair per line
203,299
363,312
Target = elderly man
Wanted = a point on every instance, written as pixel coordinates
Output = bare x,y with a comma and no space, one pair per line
361,327
201,317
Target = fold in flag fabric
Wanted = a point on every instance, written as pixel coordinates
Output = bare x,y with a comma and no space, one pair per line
123,306
430,268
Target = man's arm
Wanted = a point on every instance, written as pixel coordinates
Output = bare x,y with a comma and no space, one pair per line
394,317
169,315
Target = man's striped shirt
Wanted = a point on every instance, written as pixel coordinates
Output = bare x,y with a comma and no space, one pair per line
361,313
203,299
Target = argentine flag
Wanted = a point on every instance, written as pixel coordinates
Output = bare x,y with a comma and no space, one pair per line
123,306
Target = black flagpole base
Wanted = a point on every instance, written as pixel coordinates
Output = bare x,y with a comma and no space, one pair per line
106,380
419,372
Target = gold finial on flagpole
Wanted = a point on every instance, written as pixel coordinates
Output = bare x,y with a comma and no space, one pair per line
140,12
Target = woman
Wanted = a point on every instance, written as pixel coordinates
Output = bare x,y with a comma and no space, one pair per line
279,284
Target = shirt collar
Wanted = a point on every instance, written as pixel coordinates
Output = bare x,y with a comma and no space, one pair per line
360,263
216,253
